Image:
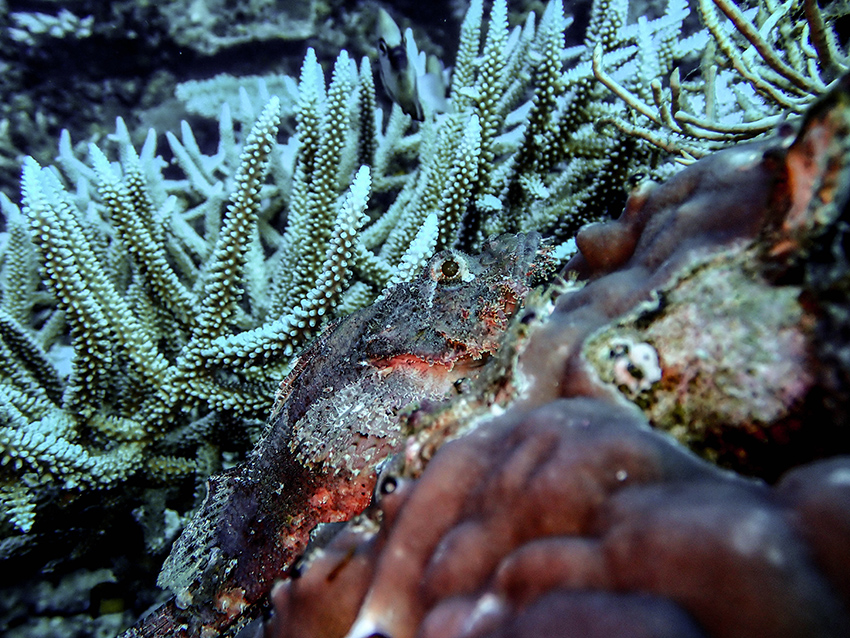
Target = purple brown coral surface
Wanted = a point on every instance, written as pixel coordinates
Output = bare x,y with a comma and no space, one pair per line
578,508
568,515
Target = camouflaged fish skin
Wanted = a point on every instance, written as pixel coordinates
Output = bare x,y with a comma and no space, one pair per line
337,415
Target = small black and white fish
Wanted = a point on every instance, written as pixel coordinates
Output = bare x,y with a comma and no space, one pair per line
396,55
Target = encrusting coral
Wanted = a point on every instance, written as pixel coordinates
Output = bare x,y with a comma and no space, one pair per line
149,315
576,518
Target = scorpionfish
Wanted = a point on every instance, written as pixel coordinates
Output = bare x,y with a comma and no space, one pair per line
337,415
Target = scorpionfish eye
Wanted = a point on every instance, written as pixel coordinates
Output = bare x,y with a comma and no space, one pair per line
450,268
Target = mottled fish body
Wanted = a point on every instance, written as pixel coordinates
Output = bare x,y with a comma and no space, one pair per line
338,415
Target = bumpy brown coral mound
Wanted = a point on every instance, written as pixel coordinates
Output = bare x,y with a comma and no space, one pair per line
578,520
567,515
697,307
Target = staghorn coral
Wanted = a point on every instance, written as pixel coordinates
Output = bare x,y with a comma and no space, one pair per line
166,300
207,97
759,61
31,27
174,304
541,501
93,427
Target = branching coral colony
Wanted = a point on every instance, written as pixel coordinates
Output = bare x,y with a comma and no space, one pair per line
141,315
